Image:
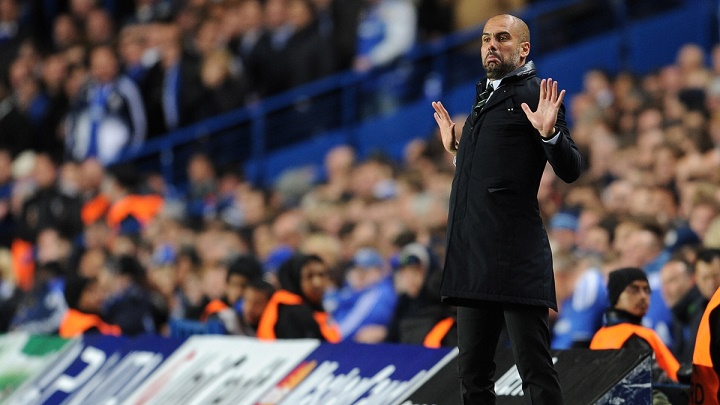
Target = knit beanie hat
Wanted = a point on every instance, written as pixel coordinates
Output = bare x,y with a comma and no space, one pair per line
621,278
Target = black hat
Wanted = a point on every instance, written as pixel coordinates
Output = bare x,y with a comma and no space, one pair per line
127,265
74,288
125,175
621,278
247,266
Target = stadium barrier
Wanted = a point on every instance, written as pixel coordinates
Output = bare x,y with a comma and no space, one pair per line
237,370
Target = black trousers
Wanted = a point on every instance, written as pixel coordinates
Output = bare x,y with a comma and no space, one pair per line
527,326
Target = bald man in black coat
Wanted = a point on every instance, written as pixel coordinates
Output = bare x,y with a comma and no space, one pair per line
498,266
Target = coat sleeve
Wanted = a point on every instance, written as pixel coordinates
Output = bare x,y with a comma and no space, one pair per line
564,156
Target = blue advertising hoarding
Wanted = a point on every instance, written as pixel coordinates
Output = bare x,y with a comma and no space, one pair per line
96,369
352,373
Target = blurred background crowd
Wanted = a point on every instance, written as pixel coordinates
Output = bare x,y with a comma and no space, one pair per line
95,77
86,79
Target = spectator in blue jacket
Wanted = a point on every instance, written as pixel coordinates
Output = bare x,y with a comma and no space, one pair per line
42,309
367,299
582,306
109,115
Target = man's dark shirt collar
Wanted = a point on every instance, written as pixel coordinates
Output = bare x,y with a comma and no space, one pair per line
614,316
527,69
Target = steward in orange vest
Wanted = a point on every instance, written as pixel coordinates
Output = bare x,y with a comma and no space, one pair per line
296,311
78,323
95,209
440,333
213,307
125,206
630,335
142,208
83,299
241,272
629,294
706,359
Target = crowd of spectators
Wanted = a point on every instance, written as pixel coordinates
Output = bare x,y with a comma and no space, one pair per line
92,78
364,242
217,251
649,198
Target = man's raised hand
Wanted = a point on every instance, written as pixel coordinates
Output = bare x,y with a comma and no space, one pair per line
447,127
544,118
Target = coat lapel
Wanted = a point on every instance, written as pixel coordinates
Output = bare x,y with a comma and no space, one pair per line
498,96
507,88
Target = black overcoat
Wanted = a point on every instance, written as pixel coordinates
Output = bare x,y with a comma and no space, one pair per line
497,246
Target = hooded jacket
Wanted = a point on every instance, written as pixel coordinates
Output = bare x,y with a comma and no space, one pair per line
289,314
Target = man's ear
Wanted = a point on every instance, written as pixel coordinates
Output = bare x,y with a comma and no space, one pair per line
525,51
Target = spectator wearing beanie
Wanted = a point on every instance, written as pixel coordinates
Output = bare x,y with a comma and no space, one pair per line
629,295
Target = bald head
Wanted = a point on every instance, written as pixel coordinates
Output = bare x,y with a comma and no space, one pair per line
505,45
517,26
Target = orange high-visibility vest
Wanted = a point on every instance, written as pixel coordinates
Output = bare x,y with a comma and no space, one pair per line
434,338
23,263
614,337
269,318
94,209
142,207
75,323
705,382
213,307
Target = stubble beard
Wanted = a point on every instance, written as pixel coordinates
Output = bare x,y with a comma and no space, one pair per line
498,70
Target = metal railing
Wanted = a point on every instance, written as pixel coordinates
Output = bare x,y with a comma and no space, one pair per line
342,100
